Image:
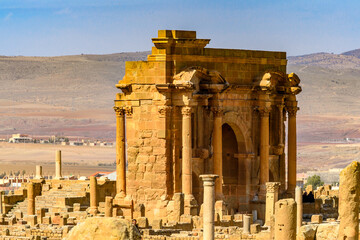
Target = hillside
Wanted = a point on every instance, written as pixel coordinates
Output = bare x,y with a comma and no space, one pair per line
67,95
73,95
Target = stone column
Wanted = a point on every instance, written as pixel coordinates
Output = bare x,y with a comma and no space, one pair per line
272,196
120,153
285,219
93,196
39,172
292,109
186,152
108,206
248,177
282,158
1,202
31,198
200,126
209,205
264,147
349,193
217,147
246,223
299,207
58,174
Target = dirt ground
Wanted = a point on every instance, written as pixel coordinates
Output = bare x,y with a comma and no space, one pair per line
83,160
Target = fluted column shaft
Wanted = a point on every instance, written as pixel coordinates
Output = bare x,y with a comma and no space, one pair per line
217,146
120,153
186,152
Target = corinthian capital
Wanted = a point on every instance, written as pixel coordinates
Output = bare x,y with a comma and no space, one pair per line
120,111
292,110
264,111
272,187
163,110
186,111
217,111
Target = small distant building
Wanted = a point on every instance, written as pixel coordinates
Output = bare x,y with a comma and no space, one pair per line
100,174
20,138
111,176
76,143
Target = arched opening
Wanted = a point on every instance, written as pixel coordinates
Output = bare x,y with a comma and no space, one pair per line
229,151
234,167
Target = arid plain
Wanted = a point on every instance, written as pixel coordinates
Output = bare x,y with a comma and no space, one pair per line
73,96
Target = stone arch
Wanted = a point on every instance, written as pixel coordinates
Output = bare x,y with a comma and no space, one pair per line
242,132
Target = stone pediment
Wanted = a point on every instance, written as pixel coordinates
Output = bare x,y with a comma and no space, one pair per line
279,82
200,79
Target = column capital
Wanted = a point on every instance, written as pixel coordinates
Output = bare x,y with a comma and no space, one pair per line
264,111
209,179
280,106
186,111
292,110
272,187
128,111
217,111
120,111
163,110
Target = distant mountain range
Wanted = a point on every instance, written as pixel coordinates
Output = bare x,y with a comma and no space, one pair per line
73,95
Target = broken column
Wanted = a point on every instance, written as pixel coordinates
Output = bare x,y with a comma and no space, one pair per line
93,196
272,196
209,205
39,172
31,198
349,193
246,223
108,206
299,207
58,174
285,219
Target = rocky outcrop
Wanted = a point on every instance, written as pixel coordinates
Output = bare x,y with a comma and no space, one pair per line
100,228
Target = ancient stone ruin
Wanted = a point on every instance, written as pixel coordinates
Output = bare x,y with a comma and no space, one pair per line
200,140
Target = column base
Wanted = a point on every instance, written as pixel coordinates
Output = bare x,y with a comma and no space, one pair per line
58,178
190,205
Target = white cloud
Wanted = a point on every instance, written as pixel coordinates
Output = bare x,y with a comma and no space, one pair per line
64,11
8,16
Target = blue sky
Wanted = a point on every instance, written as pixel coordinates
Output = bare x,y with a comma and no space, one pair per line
63,27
